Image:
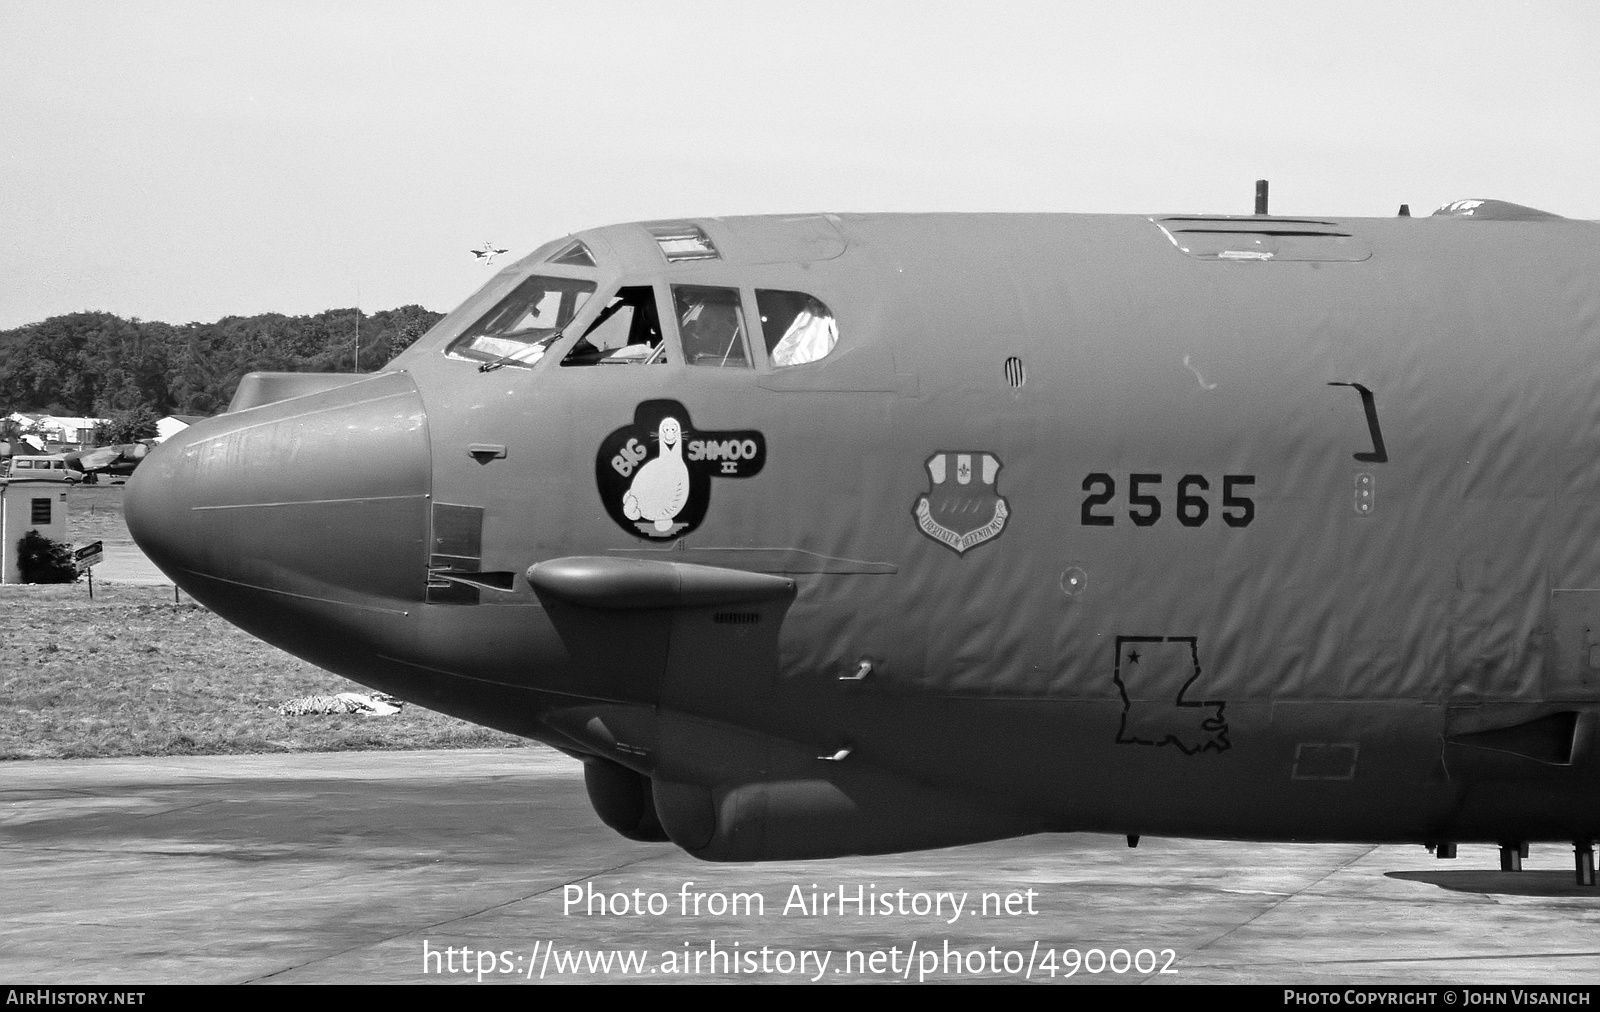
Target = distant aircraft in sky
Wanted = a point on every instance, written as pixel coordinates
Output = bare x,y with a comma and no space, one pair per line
488,253
820,535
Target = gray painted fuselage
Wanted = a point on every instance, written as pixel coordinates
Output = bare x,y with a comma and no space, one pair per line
1300,545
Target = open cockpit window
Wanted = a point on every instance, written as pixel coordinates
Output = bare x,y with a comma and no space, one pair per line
797,327
627,332
521,327
711,325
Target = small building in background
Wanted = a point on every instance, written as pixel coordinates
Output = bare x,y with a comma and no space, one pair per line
25,506
60,432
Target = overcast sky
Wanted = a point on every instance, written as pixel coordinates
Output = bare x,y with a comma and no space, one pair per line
188,161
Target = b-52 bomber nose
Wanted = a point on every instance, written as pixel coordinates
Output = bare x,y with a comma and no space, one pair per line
303,521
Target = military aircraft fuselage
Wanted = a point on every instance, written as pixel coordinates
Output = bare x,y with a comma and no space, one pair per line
844,534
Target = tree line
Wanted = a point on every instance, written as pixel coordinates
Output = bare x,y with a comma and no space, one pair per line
101,365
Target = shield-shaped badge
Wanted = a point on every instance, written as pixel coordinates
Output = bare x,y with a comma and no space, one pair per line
963,507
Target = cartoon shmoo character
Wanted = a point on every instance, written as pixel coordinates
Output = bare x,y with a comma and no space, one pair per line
661,487
654,474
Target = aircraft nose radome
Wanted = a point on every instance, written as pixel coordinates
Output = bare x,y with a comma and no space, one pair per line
313,501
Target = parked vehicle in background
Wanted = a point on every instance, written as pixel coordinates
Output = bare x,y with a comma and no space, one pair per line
49,468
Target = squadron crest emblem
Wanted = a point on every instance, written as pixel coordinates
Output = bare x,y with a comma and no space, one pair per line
962,508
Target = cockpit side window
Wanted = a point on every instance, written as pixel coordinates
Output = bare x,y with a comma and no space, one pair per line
627,332
797,327
521,327
711,326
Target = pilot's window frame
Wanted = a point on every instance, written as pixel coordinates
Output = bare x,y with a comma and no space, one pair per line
667,352
739,338
530,352
753,338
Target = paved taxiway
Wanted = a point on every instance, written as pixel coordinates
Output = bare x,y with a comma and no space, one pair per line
338,867
125,563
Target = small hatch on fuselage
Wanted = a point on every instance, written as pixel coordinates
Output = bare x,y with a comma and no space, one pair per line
1262,239
683,240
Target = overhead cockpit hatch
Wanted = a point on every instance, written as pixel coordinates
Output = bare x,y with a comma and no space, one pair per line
573,254
682,240
1262,239
803,238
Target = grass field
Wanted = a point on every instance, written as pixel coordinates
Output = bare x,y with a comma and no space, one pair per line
94,513
130,673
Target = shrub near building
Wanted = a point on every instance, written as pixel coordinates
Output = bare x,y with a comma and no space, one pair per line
44,560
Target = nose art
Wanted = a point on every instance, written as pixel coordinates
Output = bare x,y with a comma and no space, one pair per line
317,498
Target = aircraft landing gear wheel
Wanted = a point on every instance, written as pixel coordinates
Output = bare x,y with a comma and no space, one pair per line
1583,860
1511,855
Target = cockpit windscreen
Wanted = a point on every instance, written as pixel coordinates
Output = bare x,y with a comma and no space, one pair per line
520,329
